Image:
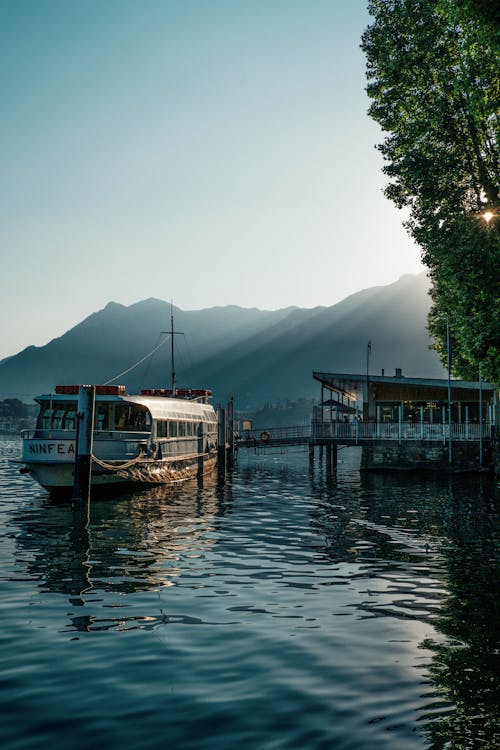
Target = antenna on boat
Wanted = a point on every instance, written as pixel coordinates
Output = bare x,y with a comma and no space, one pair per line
172,334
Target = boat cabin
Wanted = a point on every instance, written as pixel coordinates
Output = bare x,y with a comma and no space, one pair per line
155,418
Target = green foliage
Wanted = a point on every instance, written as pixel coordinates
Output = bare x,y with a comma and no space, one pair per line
14,414
12,408
434,80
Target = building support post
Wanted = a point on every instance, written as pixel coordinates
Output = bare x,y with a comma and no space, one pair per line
333,456
83,452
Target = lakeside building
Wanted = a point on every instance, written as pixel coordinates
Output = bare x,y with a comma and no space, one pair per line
400,423
387,399
409,423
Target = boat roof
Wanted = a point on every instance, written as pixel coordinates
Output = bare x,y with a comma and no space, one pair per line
160,407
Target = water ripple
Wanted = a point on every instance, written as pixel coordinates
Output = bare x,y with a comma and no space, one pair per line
329,611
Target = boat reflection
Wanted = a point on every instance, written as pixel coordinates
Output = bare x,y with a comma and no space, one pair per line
136,542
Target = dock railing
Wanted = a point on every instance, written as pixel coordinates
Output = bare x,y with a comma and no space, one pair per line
300,434
358,430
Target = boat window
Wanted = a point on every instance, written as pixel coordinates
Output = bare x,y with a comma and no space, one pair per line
101,417
132,417
57,419
69,420
45,418
182,429
161,428
59,416
172,429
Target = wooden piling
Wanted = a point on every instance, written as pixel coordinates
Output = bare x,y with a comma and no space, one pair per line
201,449
84,440
221,440
230,428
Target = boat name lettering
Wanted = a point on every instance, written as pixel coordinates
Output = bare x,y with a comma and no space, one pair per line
60,448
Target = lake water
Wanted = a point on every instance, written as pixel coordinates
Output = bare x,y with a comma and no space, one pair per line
284,608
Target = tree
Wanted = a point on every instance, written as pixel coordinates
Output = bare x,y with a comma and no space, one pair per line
434,81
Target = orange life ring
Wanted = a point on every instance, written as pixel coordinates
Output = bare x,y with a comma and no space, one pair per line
265,436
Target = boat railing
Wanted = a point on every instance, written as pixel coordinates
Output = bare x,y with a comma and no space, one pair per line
126,435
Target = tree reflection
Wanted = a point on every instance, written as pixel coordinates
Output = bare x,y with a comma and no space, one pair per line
465,668
457,517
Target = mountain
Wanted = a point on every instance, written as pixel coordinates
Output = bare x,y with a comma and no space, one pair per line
256,355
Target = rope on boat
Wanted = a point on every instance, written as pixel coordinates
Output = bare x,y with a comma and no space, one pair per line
137,363
138,459
117,467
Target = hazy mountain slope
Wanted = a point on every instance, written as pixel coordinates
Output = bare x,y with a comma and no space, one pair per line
111,340
255,355
335,338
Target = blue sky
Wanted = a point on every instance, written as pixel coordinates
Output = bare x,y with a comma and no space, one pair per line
211,151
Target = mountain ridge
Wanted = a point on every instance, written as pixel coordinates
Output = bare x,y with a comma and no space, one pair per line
256,355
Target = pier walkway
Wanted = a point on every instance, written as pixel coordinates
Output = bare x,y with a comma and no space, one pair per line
400,422
358,433
386,446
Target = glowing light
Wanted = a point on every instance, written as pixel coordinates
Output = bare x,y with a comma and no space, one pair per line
487,216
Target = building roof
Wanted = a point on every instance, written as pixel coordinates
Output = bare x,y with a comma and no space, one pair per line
351,384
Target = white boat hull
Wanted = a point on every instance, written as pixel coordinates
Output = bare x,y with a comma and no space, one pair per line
57,478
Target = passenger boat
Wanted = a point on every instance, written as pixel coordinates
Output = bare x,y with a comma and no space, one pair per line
157,437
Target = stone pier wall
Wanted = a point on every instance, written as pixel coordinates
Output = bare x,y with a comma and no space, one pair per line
425,455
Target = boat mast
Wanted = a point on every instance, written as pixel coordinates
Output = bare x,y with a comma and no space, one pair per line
172,334
172,346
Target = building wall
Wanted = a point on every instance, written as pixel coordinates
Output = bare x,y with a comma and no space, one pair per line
424,455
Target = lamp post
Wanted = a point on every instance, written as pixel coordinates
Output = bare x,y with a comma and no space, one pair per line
448,347
368,355
480,418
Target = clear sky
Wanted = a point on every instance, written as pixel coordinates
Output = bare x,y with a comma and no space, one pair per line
210,151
